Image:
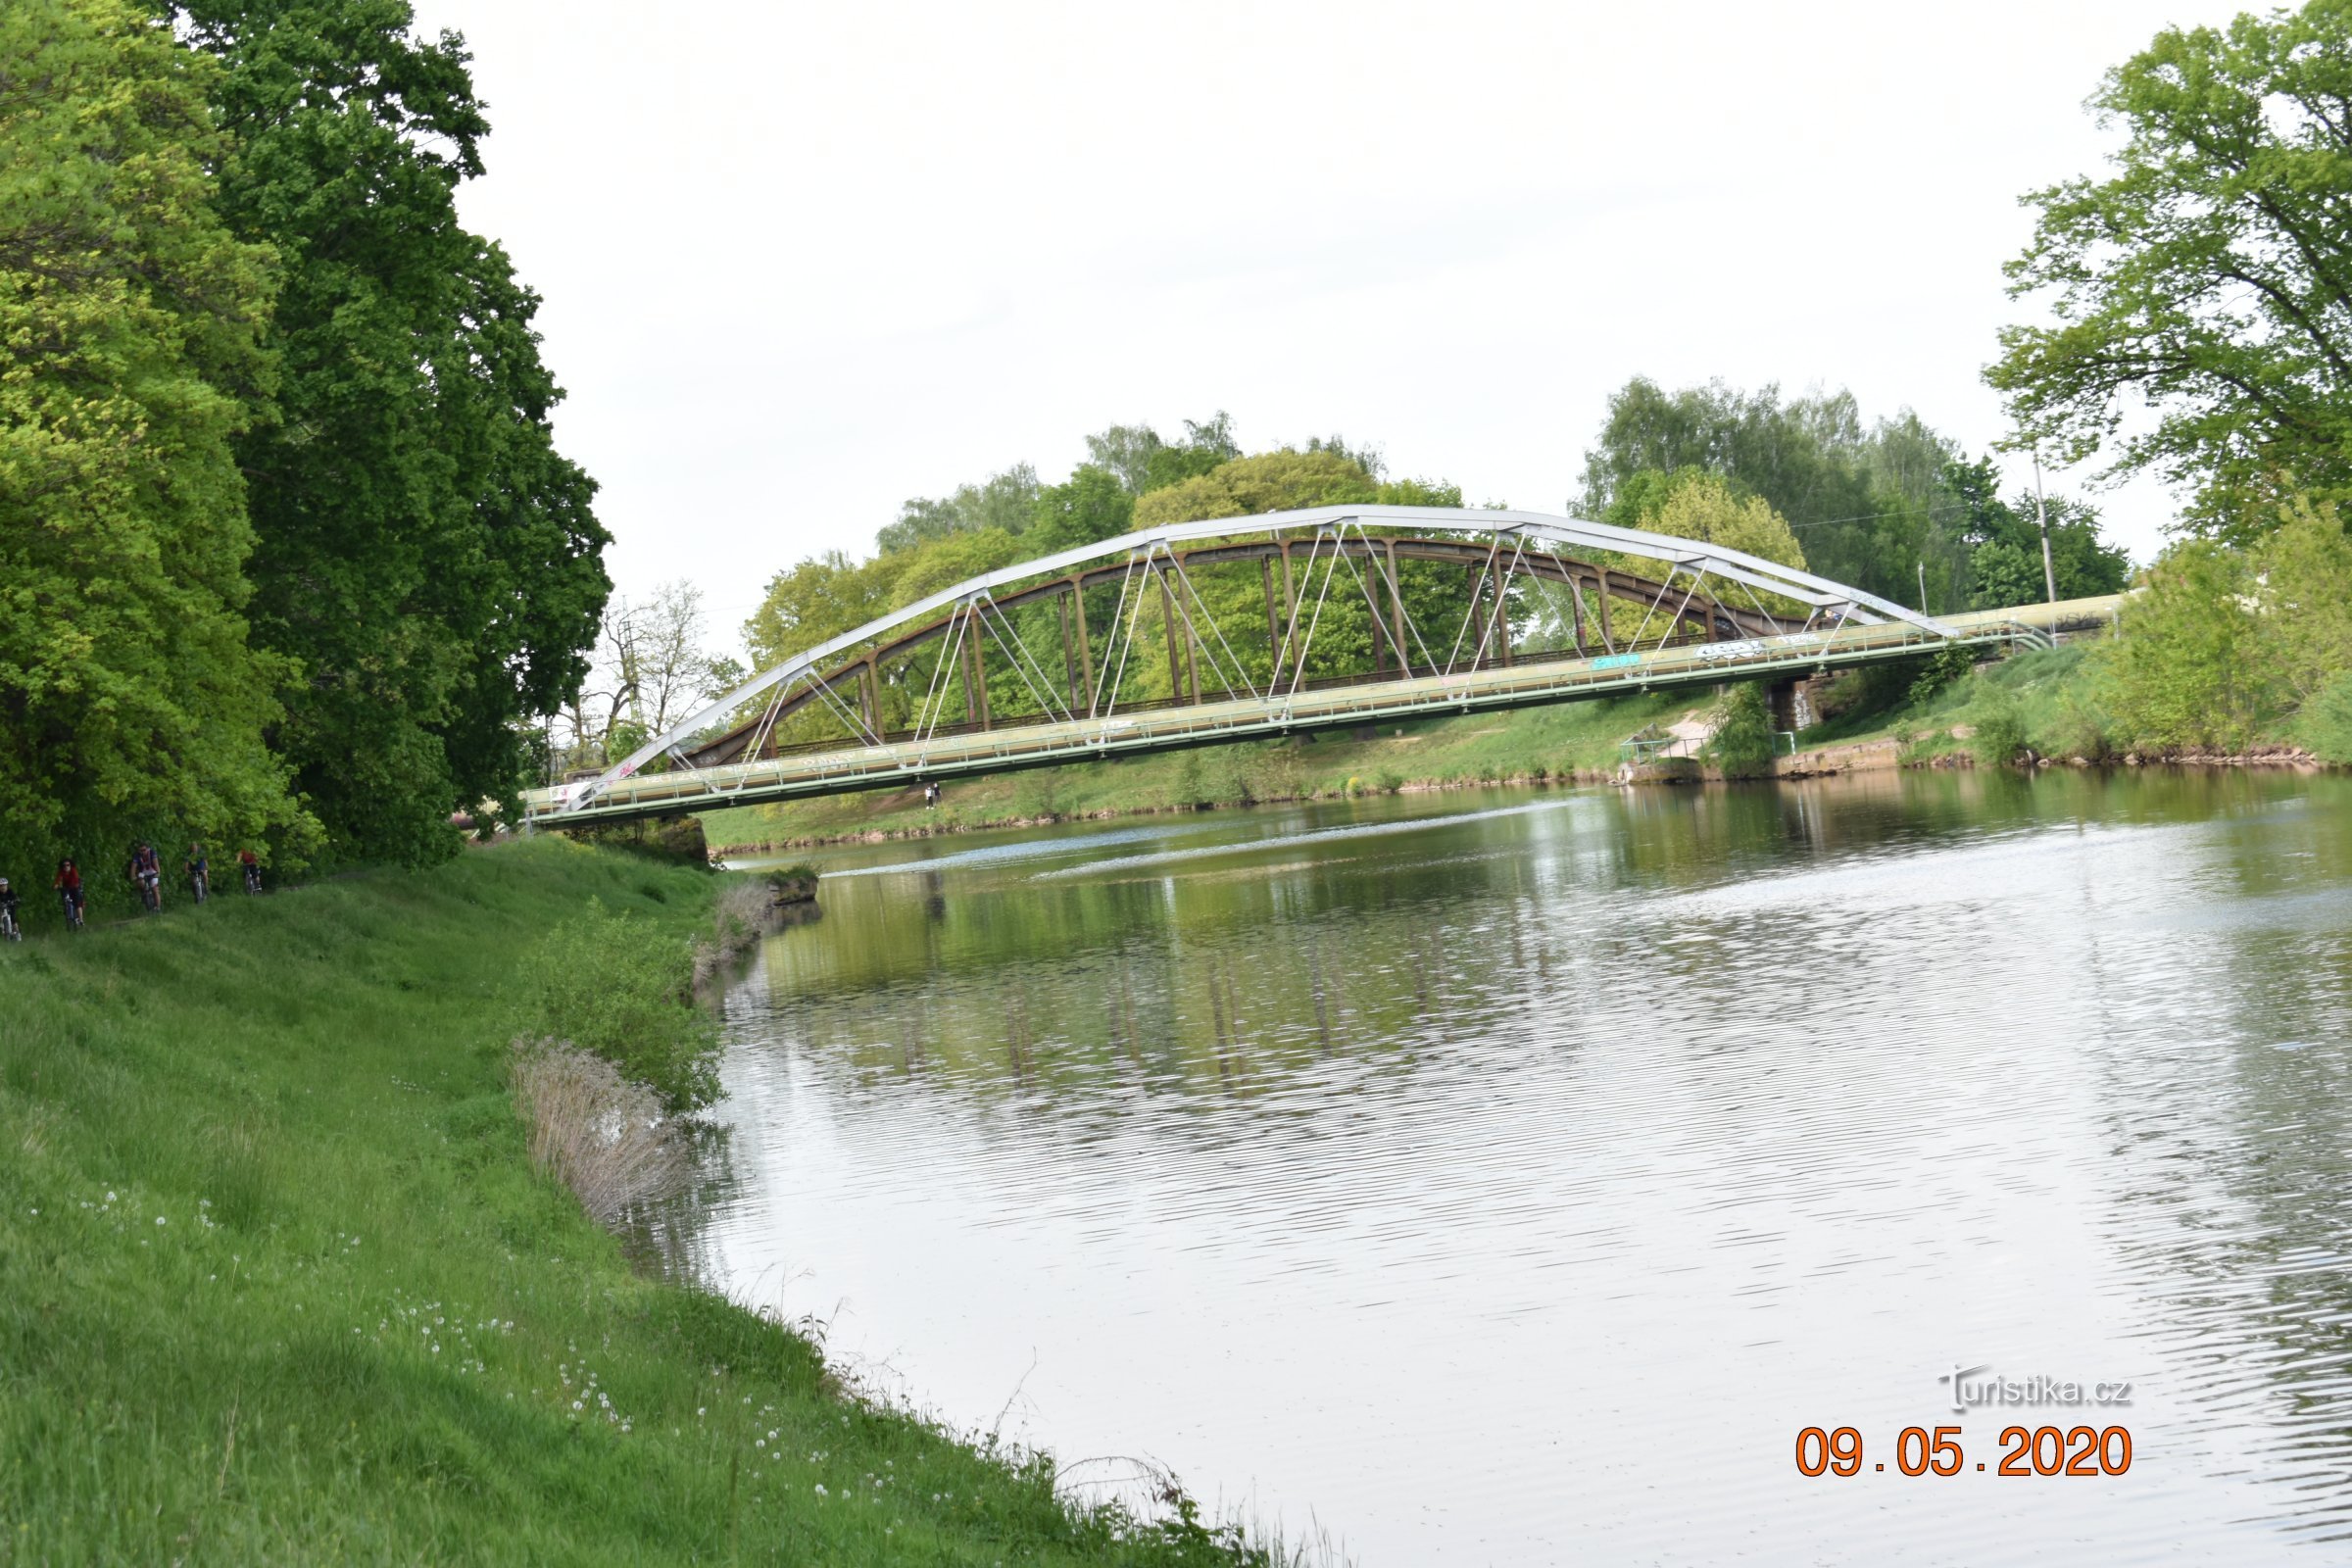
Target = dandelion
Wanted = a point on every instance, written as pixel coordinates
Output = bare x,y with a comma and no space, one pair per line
159,1219
109,1197
701,1409
821,1489
576,1405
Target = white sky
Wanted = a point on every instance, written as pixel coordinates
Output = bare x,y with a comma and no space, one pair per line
803,262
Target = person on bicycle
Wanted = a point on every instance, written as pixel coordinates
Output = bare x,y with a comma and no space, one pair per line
251,865
147,872
199,866
69,884
8,907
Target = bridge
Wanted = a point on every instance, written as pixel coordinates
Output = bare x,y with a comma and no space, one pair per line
1276,624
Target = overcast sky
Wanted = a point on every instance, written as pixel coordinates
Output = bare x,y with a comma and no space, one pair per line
803,261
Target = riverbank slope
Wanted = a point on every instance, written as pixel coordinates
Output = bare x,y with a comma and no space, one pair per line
281,1286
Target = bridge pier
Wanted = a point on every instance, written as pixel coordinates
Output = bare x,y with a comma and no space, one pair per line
1795,703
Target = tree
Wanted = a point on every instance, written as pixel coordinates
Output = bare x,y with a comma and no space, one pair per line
2224,645
426,558
2005,543
2208,277
1271,481
1702,507
1093,504
1864,501
130,700
1003,501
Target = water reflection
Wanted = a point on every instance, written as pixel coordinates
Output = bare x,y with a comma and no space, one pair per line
1508,1178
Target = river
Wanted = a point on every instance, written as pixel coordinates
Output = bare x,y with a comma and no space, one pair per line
1510,1177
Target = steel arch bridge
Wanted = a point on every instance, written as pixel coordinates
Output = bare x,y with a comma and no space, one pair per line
1280,623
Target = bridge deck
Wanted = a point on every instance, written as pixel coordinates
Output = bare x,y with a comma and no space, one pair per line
852,768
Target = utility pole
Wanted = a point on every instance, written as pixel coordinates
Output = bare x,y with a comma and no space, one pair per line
1923,585
2041,519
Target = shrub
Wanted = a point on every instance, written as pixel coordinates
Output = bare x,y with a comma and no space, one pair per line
1743,743
1944,667
2327,722
612,985
2001,726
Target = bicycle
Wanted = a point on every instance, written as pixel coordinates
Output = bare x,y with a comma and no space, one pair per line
253,878
72,911
151,891
199,886
9,929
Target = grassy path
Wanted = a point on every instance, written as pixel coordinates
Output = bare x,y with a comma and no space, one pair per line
277,1283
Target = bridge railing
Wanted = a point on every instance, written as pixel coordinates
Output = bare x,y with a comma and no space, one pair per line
1332,703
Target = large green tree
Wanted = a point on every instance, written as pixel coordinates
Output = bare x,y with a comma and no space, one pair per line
1864,500
425,555
2208,277
129,699
2006,566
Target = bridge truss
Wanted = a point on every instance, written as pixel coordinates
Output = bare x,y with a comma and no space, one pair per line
1233,628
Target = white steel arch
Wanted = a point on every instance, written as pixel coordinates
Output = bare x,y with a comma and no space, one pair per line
1697,557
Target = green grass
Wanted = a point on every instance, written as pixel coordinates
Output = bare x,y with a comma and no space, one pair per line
277,1283
1530,743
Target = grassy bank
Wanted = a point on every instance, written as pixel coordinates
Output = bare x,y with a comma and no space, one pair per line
280,1285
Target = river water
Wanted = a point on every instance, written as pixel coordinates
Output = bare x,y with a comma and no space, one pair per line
1509,1178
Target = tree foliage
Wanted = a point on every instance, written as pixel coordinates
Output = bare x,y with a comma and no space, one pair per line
2005,543
426,558
1890,509
2224,645
131,701
2208,276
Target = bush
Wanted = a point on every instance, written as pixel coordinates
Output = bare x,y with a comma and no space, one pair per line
1944,667
609,984
2001,726
1744,740
2327,722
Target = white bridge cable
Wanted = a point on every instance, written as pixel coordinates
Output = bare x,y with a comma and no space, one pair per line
1502,613
1394,576
1094,705
1331,569
858,724
1289,630
926,728
1017,652
1576,591
1130,613
1696,578
1241,673
1470,610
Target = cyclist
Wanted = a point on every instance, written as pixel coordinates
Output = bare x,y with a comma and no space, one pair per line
69,891
147,873
198,868
10,928
251,865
